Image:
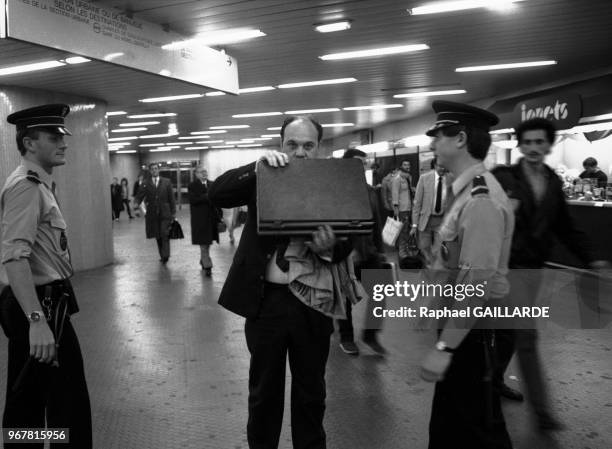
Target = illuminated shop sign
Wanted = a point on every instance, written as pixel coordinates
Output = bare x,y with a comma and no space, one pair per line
563,110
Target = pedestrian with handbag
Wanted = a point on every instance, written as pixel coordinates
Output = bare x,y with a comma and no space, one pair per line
204,218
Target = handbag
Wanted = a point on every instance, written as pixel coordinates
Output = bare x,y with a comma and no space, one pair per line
242,217
391,231
221,226
413,259
175,231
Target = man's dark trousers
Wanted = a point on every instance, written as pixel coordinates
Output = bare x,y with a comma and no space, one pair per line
284,326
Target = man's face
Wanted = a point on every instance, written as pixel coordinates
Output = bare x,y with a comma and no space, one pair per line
301,140
534,146
49,148
588,169
201,173
154,170
406,166
439,170
444,148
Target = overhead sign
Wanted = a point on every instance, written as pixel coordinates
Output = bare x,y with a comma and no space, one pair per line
84,28
2,21
563,110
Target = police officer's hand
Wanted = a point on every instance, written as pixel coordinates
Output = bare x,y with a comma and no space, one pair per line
323,240
435,365
42,343
413,231
275,158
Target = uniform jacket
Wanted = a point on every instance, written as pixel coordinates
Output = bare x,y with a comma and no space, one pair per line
536,224
424,199
204,216
243,290
160,204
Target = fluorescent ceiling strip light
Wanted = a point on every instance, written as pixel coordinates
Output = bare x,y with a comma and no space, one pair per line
129,130
179,143
222,146
262,138
189,138
108,114
441,7
375,52
231,127
160,150
118,139
167,114
311,111
30,67
76,60
200,133
270,135
144,145
431,93
513,65
257,114
138,124
373,107
170,98
156,136
210,141
111,56
420,140
196,148
249,90
250,145
217,38
508,144
374,147
335,26
236,142
502,131
126,151
336,125
317,83
274,128
215,94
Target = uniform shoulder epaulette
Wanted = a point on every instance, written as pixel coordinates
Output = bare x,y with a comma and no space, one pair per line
479,186
33,176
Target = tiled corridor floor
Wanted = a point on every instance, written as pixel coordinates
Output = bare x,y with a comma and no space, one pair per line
167,367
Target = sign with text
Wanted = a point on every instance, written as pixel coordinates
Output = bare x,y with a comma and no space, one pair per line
2,20
563,110
86,29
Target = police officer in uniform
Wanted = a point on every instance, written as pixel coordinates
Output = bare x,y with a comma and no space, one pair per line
46,380
475,241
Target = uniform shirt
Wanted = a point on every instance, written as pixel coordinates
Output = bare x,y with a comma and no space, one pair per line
477,232
32,225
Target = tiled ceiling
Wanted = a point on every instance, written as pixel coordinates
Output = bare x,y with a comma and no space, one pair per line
576,34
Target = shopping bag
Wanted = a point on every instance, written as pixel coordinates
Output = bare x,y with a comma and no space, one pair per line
175,231
391,231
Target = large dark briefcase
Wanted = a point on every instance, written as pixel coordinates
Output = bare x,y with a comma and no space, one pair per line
308,193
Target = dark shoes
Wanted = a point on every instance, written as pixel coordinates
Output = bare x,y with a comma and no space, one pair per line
349,347
207,271
164,260
510,393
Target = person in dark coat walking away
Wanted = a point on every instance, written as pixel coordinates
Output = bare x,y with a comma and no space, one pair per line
116,200
160,209
204,218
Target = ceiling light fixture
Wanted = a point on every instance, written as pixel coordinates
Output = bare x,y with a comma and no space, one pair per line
450,6
118,139
145,145
30,67
222,146
188,138
160,150
257,114
311,111
170,98
432,93
502,131
249,90
111,56
196,148
216,93
236,142
512,65
166,114
209,141
157,136
231,127
375,52
374,147
205,133
270,135
336,125
217,38
108,114
373,107
251,145
76,60
317,83
138,124
274,128
126,151
420,140
129,130
262,138
334,26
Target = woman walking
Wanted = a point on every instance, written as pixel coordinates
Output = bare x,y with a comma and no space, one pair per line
204,218
125,196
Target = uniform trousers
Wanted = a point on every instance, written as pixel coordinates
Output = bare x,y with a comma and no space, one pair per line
286,326
466,411
57,395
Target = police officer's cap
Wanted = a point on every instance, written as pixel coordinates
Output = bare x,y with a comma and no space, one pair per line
49,117
451,114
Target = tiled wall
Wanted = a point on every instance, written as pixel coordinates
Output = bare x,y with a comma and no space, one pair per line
83,183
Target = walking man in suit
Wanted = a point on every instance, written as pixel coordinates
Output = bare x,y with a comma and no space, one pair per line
277,322
430,201
160,209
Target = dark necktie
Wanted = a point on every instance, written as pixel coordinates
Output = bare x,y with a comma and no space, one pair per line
281,262
438,206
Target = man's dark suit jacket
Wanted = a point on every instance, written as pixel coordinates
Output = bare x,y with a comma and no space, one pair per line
160,204
243,290
536,224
